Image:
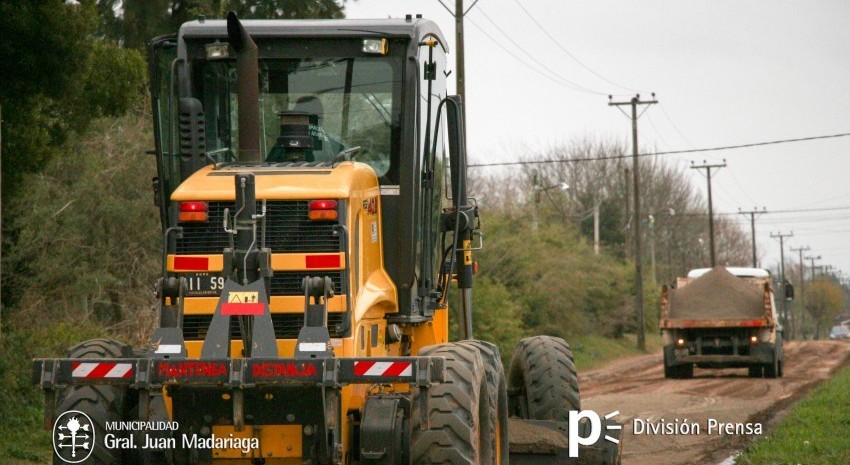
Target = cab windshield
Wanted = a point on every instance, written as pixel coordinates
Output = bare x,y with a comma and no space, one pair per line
352,102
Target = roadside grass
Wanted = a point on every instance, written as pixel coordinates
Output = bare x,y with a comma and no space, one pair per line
595,351
813,433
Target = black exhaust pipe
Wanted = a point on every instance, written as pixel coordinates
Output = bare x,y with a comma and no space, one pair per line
248,89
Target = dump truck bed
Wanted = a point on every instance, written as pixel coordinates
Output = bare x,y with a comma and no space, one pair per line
717,299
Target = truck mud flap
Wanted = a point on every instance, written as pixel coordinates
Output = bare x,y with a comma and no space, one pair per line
546,442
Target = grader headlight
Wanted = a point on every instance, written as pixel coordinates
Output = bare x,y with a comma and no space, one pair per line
375,46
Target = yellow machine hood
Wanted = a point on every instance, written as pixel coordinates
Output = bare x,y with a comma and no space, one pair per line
275,182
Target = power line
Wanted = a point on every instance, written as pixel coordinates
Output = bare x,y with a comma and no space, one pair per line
827,233
672,152
806,210
773,212
557,79
558,44
530,56
670,120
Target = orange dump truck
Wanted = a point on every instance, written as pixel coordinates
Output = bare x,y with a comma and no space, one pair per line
721,318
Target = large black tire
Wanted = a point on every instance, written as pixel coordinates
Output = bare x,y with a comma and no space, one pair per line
754,371
543,379
669,370
497,403
771,370
101,403
686,371
455,411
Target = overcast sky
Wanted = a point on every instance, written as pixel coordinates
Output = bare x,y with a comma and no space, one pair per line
725,73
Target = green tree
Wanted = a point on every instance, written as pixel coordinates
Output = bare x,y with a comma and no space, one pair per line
87,248
825,300
559,285
86,254
145,19
57,77
496,315
285,9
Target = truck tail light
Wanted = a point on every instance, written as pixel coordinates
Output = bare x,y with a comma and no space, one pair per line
680,342
323,210
193,212
754,340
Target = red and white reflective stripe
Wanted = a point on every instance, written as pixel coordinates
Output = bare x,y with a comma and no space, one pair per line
102,370
368,368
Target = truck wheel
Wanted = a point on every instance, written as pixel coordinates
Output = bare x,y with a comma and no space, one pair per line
780,368
771,370
754,371
686,371
544,379
456,410
497,401
101,403
670,371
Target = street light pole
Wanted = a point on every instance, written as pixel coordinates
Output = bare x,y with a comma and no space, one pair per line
537,189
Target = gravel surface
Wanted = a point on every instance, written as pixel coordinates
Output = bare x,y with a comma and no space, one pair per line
719,295
637,388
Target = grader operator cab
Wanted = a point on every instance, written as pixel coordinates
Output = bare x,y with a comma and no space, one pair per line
313,222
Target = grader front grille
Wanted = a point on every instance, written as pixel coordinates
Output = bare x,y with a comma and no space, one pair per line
288,229
286,326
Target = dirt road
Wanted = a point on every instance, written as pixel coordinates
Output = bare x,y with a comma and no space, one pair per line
637,388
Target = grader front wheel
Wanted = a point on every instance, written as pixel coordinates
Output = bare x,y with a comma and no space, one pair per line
457,412
101,403
543,379
497,402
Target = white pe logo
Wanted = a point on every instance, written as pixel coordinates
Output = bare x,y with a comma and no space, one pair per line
575,439
73,436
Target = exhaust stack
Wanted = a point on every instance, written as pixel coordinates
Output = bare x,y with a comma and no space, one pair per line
247,88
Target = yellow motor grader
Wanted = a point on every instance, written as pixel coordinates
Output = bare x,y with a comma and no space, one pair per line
313,196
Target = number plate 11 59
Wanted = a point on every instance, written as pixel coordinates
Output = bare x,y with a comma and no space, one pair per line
203,284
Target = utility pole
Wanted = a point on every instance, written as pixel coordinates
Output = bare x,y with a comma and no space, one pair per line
460,78
815,334
781,238
707,167
800,250
755,211
634,102
812,261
